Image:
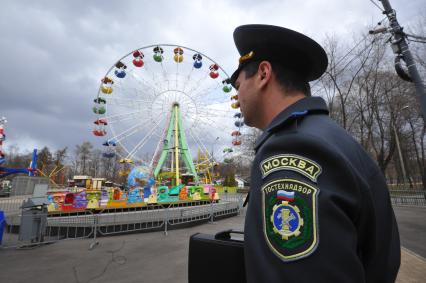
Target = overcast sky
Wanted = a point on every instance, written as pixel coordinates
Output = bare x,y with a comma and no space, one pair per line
53,53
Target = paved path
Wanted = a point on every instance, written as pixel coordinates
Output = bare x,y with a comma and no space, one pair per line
144,257
412,228
147,257
413,268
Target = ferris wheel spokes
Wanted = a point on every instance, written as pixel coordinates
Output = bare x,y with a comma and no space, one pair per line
141,81
148,92
155,86
207,92
197,139
207,120
129,132
197,84
188,78
144,139
129,103
122,117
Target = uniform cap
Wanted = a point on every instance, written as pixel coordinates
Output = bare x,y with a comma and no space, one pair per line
293,50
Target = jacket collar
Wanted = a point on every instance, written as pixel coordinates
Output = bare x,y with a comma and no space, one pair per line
302,107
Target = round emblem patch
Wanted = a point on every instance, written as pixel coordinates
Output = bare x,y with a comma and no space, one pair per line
286,220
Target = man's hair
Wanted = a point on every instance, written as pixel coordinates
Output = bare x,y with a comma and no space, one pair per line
287,79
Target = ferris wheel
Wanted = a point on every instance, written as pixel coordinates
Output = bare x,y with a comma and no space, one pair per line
163,100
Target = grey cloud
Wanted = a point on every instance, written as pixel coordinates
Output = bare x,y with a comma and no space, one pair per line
54,53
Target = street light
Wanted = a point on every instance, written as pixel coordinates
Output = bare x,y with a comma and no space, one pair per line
398,146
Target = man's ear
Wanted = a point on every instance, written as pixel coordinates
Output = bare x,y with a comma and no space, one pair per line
264,73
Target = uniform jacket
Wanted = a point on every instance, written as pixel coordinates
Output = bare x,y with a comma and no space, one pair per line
319,207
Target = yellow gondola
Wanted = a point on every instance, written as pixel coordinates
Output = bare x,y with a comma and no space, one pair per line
106,89
235,105
126,160
178,54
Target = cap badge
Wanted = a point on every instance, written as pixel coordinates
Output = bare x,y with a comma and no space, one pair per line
246,57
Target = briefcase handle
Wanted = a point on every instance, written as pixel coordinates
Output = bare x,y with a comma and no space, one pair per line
226,235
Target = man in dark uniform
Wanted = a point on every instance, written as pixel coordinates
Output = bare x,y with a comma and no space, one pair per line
319,208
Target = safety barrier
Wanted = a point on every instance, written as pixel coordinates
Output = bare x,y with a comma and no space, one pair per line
12,205
408,197
35,227
124,220
30,227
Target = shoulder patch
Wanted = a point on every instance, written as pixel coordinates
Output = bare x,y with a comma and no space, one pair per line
290,218
297,163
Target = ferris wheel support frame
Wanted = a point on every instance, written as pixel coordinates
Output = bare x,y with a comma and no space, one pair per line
180,143
176,108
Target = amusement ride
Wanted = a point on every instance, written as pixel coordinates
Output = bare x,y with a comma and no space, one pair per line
160,111
6,171
162,104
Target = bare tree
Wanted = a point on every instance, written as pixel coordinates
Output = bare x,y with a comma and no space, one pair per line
95,163
341,74
45,160
82,157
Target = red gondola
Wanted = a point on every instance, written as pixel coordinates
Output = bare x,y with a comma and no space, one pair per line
138,54
213,71
214,75
101,121
99,133
138,62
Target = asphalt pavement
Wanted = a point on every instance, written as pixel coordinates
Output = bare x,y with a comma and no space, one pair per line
412,228
155,257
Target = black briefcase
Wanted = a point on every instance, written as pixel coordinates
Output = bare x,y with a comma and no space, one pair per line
216,259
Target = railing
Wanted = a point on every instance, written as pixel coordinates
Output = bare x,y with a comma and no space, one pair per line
12,205
408,197
31,227
25,227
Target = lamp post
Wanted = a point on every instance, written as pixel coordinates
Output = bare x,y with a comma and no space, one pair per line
398,147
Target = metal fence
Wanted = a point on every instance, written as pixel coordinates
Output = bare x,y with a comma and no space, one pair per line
35,226
12,205
408,197
27,227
